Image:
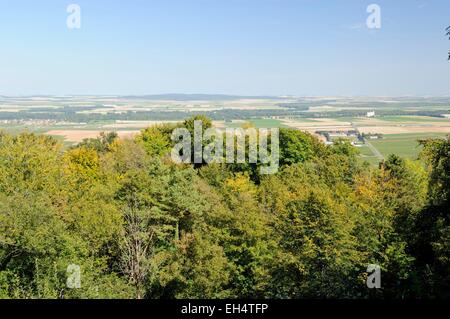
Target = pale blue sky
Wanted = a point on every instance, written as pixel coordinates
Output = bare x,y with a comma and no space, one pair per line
249,47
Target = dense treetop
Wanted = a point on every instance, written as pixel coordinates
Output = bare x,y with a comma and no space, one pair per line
140,226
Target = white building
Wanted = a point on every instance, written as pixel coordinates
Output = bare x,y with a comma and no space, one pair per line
371,114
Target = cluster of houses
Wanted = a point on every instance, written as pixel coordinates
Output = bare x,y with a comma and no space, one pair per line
372,136
357,139
36,122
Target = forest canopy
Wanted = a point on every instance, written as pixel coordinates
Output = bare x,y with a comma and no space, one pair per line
140,226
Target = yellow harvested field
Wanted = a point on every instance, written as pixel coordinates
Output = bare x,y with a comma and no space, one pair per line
11,110
367,125
331,122
371,121
78,135
319,125
218,124
404,129
135,124
315,122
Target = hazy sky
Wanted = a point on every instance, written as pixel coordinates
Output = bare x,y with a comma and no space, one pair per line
250,47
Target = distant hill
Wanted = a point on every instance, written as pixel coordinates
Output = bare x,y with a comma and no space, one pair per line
197,97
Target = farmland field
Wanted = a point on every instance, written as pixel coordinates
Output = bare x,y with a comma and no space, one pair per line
401,121
266,123
405,145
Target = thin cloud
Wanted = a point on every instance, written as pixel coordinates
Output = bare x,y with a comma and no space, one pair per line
422,5
356,26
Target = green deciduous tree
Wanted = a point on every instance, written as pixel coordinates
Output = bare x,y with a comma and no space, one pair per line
141,226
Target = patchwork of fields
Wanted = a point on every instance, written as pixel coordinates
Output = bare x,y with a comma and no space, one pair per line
400,121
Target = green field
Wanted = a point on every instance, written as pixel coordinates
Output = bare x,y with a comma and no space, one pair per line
304,120
413,119
17,129
367,155
365,151
405,145
266,123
